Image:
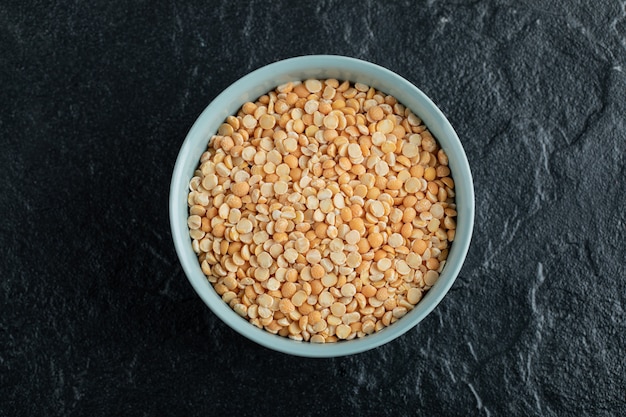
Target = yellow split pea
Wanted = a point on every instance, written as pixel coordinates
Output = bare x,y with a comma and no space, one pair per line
322,211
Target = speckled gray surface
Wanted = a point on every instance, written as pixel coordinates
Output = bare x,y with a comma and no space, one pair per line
97,317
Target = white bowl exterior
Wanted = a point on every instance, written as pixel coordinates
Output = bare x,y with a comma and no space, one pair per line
259,82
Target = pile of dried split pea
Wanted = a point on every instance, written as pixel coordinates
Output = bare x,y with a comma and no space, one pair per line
323,211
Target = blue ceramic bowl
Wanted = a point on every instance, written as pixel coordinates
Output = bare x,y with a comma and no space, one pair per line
259,82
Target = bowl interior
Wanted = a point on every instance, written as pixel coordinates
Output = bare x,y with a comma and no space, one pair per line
259,82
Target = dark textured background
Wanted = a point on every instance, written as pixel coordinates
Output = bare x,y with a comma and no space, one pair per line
96,316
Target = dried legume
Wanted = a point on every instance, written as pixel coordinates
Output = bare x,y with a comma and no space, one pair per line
322,211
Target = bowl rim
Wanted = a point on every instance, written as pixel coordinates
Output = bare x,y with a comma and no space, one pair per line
271,75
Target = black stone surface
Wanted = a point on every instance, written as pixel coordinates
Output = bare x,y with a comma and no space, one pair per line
96,315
